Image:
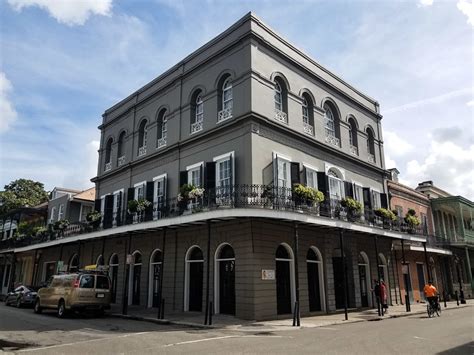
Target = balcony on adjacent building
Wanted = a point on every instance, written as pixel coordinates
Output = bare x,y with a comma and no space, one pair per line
281,116
196,127
224,114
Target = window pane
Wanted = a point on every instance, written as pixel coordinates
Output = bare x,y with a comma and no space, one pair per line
102,282
87,281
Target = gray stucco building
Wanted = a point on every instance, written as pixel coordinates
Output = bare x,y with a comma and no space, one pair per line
246,117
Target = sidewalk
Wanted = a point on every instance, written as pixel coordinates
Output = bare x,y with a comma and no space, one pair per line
195,319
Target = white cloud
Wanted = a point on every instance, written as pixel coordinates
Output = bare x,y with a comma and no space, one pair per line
8,114
467,8
425,2
69,12
395,146
470,103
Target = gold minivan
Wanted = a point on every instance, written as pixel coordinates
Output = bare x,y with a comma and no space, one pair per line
75,292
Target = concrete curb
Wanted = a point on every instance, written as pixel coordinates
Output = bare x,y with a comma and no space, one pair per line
230,327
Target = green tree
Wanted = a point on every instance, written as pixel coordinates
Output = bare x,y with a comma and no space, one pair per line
22,193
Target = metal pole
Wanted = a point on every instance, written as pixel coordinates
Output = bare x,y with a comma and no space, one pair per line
427,263
103,249
379,297
11,284
127,272
160,291
343,260
208,271
297,283
394,266
35,265
405,278
461,292
398,276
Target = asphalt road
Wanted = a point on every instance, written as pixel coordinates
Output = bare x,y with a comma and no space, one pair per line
23,331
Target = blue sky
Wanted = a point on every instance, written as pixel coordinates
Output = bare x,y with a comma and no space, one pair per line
62,63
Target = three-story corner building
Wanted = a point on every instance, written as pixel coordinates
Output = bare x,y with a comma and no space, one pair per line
216,145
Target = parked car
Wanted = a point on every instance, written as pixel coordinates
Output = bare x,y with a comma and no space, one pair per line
21,296
75,292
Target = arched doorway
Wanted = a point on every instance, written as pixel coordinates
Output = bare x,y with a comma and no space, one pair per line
193,278
99,261
113,274
154,278
285,279
364,280
314,264
224,280
134,279
74,263
383,273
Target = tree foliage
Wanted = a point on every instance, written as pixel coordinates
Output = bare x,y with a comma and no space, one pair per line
22,193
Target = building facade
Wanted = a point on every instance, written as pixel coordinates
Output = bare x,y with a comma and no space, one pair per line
216,146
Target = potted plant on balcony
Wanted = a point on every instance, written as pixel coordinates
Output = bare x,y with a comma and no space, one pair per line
305,195
412,221
137,208
267,195
352,207
388,217
189,193
94,218
40,233
60,226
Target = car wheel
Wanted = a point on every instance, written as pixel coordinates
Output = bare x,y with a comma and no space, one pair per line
37,309
18,303
61,309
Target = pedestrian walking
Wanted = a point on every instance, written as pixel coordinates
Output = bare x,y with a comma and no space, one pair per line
384,296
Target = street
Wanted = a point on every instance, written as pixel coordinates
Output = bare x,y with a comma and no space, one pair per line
23,331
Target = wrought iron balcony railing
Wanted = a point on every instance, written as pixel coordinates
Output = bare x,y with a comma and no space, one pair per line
196,127
161,142
224,114
281,116
308,129
108,166
232,196
121,160
142,151
331,138
354,150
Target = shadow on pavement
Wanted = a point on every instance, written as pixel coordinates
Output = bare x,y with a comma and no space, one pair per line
467,348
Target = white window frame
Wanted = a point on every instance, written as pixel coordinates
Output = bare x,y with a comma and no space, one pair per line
329,122
379,200
136,187
355,185
220,159
53,212
114,206
278,97
227,104
61,211
340,183
313,171
305,111
195,167
199,111
160,178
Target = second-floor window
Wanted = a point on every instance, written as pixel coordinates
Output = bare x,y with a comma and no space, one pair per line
284,173
336,185
377,199
331,123
162,129
278,97
140,191
311,178
61,212
53,212
195,176
120,149
307,114
353,145
197,113
227,95
108,155
370,145
142,138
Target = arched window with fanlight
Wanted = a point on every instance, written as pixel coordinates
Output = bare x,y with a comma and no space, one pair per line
121,149
353,143
307,113
225,100
336,185
331,121
162,129
370,144
197,112
142,138
280,98
108,154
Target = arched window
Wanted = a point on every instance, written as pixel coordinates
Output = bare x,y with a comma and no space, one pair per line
336,185
370,145
74,263
314,264
193,279
353,144
108,155
197,112
280,97
135,278
155,279
383,272
113,274
100,260
142,135
331,125
364,280
307,112
226,101
224,280
162,129
120,149
285,279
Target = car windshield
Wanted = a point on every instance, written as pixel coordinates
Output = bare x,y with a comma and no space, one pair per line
32,288
87,281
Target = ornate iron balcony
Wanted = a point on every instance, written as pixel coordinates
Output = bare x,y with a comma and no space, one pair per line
281,116
121,160
331,139
371,158
354,150
108,166
308,129
224,114
142,151
196,127
161,142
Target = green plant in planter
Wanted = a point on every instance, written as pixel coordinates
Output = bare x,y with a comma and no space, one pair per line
386,214
353,208
25,229
267,192
184,192
411,219
39,232
61,224
308,194
142,204
94,218
132,206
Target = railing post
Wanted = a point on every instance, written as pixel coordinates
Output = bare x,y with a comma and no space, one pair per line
344,271
297,284
405,279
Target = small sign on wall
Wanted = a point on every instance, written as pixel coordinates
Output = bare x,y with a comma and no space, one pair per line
404,269
268,274
129,259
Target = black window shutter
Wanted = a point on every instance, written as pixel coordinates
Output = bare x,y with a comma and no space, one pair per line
108,210
210,176
183,178
118,217
150,187
383,200
323,183
232,172
295,173
97,204
303,177
201,175
349,189
367,198
130,197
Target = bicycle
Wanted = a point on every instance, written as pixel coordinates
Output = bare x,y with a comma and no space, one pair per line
431,310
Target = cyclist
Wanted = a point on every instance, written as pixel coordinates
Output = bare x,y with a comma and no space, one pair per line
431,294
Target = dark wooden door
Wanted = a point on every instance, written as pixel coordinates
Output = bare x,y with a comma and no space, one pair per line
363,286
227,287
156,285
113,276
337,266
195,286
283,287
137,270
314,287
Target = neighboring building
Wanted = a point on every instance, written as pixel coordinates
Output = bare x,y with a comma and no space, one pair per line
71,205
245,117
419,267
454,224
